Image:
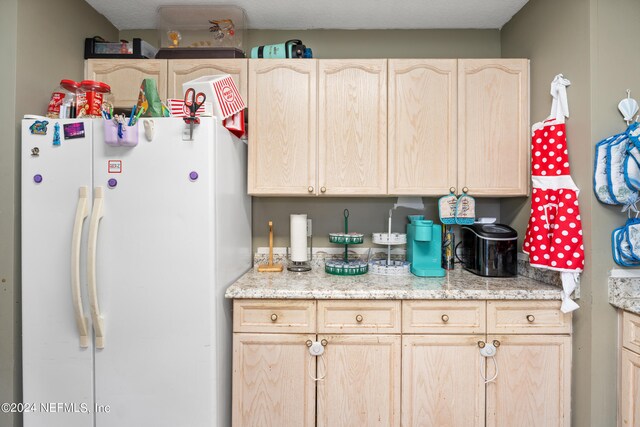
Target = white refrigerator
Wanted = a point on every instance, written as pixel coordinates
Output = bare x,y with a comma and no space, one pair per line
126,254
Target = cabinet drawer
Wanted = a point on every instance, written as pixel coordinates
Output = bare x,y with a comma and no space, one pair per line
290,316
359,317
444,317
631,331
527,317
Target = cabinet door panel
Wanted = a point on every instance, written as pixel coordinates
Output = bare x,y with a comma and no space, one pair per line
631,331
353,127
271,382
422,126
184,70
441,383
282,134
533,387
125,76
493,132
362,382
629,389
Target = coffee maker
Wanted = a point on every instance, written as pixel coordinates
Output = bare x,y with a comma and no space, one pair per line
424,247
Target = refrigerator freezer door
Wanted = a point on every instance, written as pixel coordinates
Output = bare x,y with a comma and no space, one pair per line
57,370
155,279
233,250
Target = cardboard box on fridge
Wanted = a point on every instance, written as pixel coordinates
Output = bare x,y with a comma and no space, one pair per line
225,98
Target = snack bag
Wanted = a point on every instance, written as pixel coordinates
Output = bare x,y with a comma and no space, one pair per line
149,99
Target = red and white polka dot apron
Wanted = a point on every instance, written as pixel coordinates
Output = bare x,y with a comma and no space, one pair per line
554,235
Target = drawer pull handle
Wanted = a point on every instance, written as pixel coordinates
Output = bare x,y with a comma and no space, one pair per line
310,189
531,318
445,318
359,318
274,317
481,344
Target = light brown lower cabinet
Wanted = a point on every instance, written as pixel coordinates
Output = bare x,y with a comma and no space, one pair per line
272,381
426,371
441,385
630,389
362,382
533,387
629,372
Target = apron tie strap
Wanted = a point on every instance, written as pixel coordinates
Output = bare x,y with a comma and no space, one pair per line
569,284
559,106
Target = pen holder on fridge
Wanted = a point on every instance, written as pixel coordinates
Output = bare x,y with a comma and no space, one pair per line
128,137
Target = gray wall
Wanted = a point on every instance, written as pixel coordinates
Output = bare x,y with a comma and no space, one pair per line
371,43
588,41
9,331
614,32
366,215
42,42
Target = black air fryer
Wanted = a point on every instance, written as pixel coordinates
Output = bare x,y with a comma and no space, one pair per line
489,250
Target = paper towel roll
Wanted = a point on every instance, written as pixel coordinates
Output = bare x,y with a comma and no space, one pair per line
299,237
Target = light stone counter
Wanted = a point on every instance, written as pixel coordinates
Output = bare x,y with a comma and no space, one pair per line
458,284
624,293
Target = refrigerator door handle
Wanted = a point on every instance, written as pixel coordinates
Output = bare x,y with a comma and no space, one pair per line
96,215
82,212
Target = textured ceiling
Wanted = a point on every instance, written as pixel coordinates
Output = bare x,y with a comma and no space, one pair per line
330,14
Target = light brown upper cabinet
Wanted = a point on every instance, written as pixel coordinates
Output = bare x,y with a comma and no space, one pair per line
352,127
125,75
459,123
184,70
283,126
422,126
317,127
493,126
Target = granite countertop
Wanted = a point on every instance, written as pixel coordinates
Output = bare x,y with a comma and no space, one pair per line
624,293
458,284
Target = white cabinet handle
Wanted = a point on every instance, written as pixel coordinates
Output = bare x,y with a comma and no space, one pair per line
81,213
96,214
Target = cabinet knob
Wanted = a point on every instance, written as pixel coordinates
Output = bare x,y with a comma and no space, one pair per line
309,343
323,189
324,342
481,344
465,189
310,189
496,343
445,318
359,318
452,190
274,317
531,318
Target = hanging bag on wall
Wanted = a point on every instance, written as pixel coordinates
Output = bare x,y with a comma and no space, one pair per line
600,175
619,191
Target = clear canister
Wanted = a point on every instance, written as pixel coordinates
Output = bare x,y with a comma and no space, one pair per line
63,94
90,98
